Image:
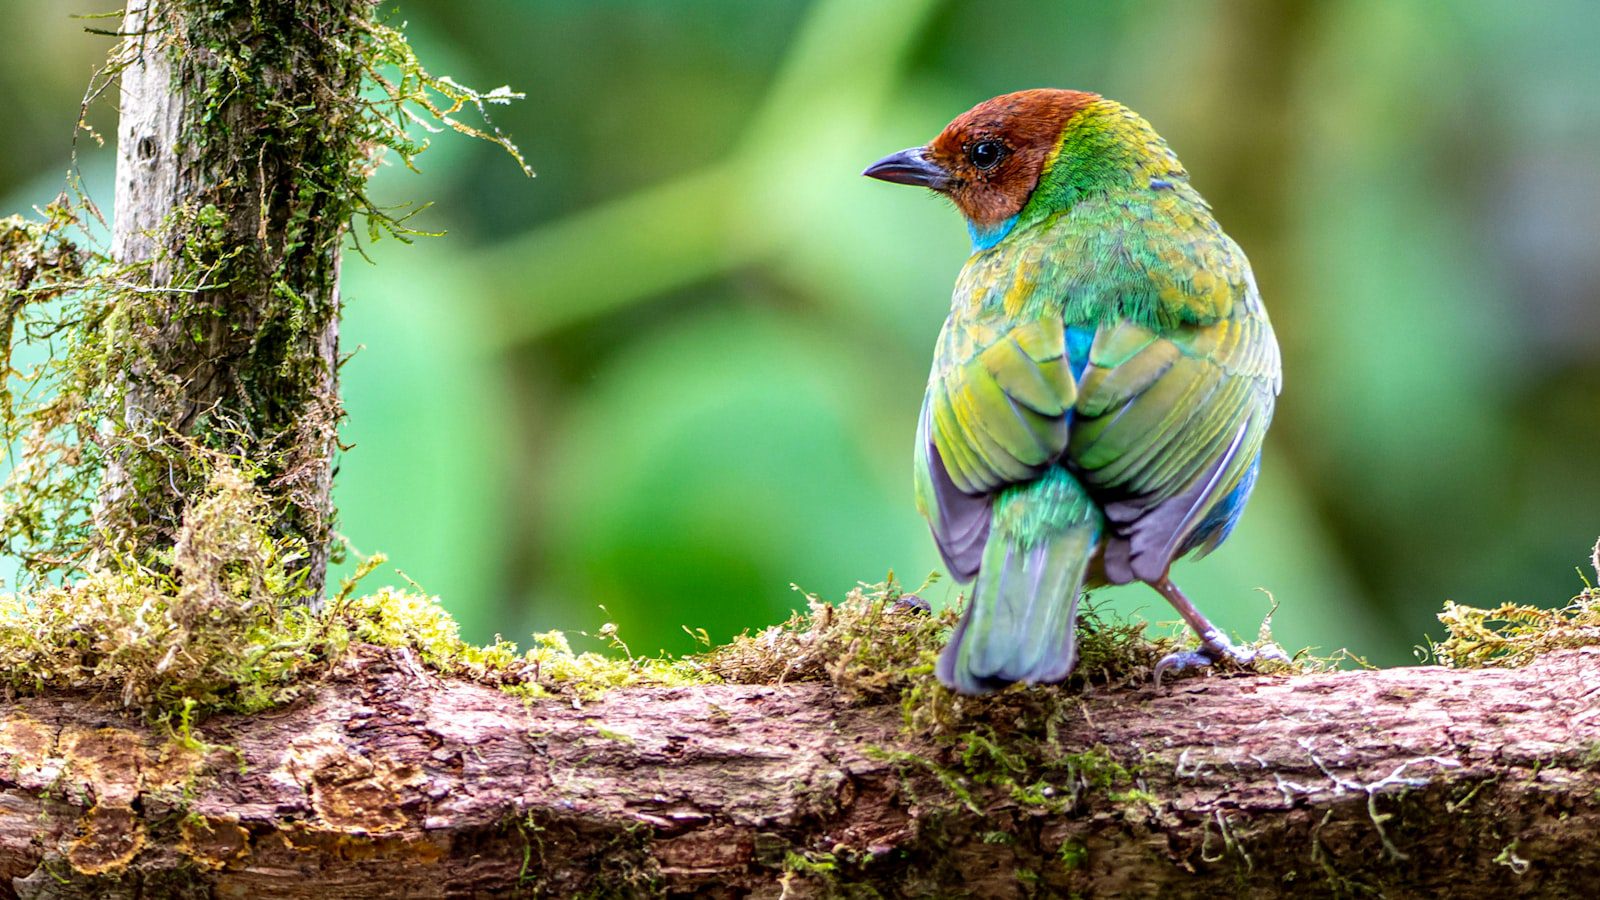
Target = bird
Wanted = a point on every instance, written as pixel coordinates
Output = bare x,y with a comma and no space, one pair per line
1102,386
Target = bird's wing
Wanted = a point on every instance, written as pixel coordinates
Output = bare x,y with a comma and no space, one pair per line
996,413
1167,424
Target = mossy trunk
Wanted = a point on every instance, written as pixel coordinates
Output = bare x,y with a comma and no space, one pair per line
236,177
390,781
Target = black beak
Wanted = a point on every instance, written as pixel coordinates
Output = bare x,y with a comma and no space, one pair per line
910,167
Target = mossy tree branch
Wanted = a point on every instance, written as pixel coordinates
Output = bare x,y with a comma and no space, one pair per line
392,781
238,170
206,339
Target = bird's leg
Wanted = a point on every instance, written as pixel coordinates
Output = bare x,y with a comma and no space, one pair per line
1214,645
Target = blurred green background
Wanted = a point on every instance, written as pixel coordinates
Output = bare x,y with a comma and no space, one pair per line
681,368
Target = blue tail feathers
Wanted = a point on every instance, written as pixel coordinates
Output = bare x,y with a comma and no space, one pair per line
1021,621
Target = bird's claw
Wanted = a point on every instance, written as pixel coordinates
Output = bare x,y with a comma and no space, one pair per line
1214,648
911,603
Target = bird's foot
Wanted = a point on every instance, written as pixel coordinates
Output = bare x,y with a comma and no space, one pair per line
1214,648
911,603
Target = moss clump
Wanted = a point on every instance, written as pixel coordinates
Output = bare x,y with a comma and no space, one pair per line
873,645
553,667
1073,854
209,629
141,635
219,627
1034,771
1514,634
823,864
881,642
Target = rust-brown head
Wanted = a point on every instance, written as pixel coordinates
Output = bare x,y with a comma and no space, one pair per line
989,159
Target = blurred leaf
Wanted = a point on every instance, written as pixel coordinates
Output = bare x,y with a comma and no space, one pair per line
424,480
708,469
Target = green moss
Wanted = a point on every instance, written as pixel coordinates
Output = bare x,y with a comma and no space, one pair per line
1040,794
1073,854
1516,634
219,629
610,735
825,874
952,780
616,864
1589,757
824,864
874,645
1096,768
556,668
880,643
1508,857
130,633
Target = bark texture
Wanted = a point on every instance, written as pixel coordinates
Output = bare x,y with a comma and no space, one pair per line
393,782
236,174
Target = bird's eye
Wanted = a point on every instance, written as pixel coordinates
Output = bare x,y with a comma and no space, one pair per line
986,154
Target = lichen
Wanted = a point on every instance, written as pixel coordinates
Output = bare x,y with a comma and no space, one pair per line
109,838
213,843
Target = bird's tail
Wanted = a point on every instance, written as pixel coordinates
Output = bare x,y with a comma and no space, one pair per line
1021,621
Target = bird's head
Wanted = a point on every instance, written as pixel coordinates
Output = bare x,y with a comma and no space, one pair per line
989,160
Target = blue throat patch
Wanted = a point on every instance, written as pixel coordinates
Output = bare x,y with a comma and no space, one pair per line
985,238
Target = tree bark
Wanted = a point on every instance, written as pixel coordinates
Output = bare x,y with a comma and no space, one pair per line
235,168
390,781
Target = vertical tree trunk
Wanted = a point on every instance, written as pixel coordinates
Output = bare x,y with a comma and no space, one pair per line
236,159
